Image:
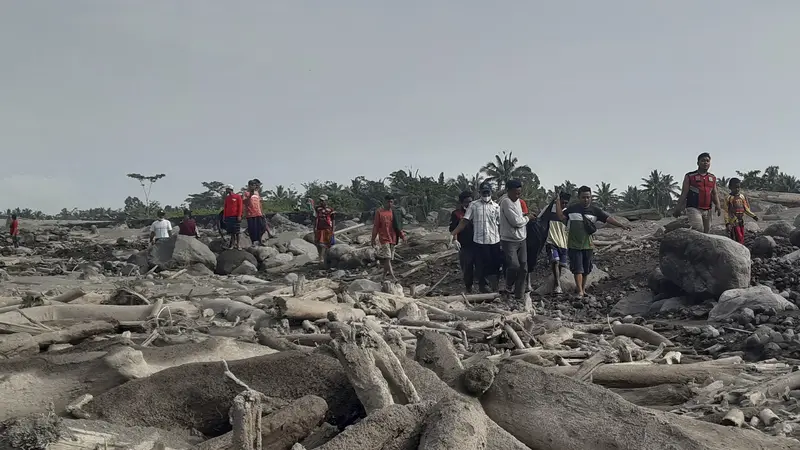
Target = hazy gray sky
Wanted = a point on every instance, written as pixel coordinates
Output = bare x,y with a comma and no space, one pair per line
291,91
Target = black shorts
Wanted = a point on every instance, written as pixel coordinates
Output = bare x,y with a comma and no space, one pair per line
580,261
233,225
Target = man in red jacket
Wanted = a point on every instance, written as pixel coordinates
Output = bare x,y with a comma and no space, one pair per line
698,195
232,215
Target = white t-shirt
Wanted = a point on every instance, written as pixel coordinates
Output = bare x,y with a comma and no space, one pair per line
161,228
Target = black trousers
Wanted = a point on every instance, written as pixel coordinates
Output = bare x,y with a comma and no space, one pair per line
466,260
516,265
488,258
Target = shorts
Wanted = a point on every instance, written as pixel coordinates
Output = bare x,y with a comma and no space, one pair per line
233,225
323,237
699,219
580,261
556,254
385,251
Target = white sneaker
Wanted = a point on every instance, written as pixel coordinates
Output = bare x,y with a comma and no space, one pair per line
558,290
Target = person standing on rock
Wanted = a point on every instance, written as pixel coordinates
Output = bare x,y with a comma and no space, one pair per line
188,226
13,228
698,194
387,228
556,243
581,219
256,222
736,207
513,232
484,215
161,228
324,226
232,213
465,245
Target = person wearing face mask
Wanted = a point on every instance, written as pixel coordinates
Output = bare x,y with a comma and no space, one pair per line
484,216
464,243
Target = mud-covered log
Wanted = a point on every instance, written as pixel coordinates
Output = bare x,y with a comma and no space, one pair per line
394,427
544,410
76,332
246,420
454,424
435,351
402,389
299,309
660,395
94,312
645,334
364,375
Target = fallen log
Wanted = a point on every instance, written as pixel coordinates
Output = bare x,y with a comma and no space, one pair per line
645,334
69,296
788,199
299,309
435,351
759,394
365,377
544,410
659,395
393,427
246,420
94,312
454,424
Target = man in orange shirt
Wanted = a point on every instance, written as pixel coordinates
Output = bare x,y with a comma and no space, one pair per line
232,215
387,228
323,226
256,222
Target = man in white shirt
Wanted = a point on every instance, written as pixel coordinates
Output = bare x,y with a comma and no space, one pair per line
160,229
512,238
484,215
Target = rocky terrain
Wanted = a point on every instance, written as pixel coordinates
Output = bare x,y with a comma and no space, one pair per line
688,341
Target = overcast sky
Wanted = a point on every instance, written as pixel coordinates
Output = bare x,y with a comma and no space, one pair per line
292,91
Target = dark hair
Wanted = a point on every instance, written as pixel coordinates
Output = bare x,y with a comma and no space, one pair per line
565,196
187,212
13,216
485,187
161,213
256,181
464,195
513,184
388,197
583,189
734,181
703,155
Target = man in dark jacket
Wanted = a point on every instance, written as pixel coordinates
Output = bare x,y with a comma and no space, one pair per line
466,251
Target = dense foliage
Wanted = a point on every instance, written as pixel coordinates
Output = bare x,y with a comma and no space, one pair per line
422,194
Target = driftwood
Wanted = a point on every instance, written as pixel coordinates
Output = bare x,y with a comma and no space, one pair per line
246,418
69,296
300,309
639,332
94,312
392,427
21,344
455,424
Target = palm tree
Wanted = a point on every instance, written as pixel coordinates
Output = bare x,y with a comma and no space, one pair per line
282,193
605,196
786,183
723,182
632,198
660,190
505,168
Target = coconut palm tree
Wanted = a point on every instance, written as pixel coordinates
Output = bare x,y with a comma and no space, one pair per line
504,168
660,190
632,198
605,196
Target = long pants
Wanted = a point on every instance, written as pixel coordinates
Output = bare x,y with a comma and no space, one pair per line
699,219
466,259
516,265
256,227
488,258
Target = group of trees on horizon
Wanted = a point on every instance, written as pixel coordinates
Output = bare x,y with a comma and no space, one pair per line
421,194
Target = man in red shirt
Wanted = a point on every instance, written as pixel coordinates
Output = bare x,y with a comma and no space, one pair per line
698,194
232,215
386,229
14,229
323,226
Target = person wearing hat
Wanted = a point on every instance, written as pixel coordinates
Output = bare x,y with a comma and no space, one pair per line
232,215
256,222
160,229
513,231
484,215
323,226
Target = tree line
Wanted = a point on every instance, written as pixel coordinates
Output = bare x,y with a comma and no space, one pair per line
421,194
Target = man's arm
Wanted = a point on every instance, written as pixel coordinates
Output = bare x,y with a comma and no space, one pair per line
679,207
747,208
613,221
516,220
603,216
560,208
715,200
464,221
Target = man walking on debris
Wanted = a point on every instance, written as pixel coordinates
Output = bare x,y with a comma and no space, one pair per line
556,243
698,193
161,228
387,228
188,226
513,224
581,220
324,226
484,215
736,207
256,222
464,243
232,214
13,228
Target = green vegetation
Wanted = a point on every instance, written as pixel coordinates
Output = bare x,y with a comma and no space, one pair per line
420,195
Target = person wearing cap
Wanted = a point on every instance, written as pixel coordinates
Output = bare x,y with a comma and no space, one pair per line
232,215
160,229
513,231
484,215
256,222
323,226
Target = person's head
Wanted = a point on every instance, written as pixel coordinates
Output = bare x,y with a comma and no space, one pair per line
161,214
228,189
187,214
585,195
514,189
14,216
703,161
565,197
389,200
464,199
486,192
323,200
735,185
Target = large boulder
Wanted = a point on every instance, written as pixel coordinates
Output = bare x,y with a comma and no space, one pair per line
278,260
140,259
636,304
229,260
281,223
343,256
756,298
299,246
180,251
763,247
780,228
794,237
363,285
263,253
703,263
797,221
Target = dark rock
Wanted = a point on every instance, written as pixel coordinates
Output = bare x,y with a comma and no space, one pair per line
780,228
763,246
230,259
